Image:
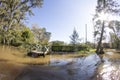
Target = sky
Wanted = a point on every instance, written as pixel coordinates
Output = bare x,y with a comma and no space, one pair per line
60,17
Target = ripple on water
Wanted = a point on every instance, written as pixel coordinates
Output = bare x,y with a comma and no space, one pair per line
79,68
110,69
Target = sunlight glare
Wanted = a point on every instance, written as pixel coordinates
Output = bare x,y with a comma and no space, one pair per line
107,17
103,16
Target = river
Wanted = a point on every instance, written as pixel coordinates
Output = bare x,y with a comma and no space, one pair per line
78,68
84,68
110,68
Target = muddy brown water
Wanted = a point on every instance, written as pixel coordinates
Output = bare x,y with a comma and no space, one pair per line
83,68
80,68
63,69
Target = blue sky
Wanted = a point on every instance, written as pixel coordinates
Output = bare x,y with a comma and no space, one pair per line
61,16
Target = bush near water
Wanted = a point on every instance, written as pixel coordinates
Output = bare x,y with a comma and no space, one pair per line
66,48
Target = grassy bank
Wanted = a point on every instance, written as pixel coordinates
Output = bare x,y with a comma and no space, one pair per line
14,55
13,61
23,59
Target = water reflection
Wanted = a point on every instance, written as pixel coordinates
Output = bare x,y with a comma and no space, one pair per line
91,59
110,69
82,68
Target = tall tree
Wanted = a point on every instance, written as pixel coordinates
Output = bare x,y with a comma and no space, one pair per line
41,35
115,34
74,38
13,12
104,7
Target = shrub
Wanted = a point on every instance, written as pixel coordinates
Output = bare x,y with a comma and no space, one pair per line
68,48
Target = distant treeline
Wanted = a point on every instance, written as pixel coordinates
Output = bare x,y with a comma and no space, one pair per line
66,48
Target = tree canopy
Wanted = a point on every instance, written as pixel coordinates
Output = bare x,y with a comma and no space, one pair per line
41,36
12,15
74,37
104,7
13,31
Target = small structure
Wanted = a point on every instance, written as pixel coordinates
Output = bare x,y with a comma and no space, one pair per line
36,53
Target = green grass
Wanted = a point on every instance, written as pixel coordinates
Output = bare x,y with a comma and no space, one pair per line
92,50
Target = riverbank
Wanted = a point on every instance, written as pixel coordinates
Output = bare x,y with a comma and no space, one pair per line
24,59
14,63
12,54
12,68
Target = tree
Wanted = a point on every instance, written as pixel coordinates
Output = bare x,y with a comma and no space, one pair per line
115,35
115,26
58,43
41,35
104,7
74,38
27,35
12,14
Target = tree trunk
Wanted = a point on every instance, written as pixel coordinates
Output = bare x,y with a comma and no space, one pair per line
4,41
101,37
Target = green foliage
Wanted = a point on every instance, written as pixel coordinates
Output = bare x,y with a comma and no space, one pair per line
41,35
103,7
16,38
27,35
62,48
115,35
12,14
74,37
57,43
67,48
13,31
